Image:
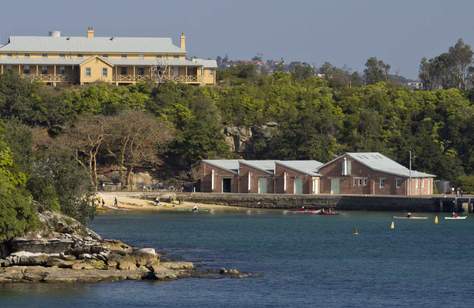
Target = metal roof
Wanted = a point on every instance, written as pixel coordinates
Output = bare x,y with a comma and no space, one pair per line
309,167
380,162
227,164
112,61
264,165
41,61
80,44
205,62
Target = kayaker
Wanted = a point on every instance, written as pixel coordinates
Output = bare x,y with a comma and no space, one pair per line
409,215
455,215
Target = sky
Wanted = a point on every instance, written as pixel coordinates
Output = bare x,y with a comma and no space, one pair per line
342,32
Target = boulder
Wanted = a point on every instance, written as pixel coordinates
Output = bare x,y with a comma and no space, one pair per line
26,258
47,246
178,265
59,262
117,246
127,263
145,256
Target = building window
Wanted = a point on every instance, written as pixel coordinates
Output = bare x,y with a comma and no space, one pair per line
382,183
398,183
360,182
88,72
141,71
45,55
105,56
124,56
61,55
9,55
44,70
27,55
141,56
26,69
80,56
123,70
62,70
105,72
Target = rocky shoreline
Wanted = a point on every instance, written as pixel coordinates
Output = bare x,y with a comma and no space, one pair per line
66,251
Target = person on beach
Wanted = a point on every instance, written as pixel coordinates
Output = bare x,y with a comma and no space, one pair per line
115,202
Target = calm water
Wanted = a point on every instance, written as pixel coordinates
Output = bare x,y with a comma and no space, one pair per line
306,261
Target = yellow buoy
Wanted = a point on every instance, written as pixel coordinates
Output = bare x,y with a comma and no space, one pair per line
436,220
392,226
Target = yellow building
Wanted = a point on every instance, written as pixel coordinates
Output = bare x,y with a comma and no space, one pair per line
57,59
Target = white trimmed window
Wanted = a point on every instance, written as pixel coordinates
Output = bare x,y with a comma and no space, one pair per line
382,183
398,182
26,69
62,70
88,72
105,72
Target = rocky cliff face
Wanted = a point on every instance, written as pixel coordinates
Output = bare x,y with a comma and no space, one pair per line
240,138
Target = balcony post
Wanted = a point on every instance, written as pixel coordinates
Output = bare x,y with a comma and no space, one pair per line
19,69
1,69
134,75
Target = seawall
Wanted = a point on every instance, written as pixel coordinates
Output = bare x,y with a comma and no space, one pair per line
435,203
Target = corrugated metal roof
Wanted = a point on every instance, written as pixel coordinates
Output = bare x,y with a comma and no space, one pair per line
41,61
77,61
79,44
145,62
264,165
206,63
380,162
309,167
227,164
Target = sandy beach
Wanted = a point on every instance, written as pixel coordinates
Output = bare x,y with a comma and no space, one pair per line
132,201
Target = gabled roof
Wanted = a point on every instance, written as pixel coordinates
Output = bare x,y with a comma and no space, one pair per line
79,44
379,162
267,166
309,167
231,165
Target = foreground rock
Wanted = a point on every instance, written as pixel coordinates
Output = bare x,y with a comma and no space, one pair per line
66,251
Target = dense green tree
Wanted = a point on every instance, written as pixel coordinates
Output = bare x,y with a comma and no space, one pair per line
17,214
376,71
452,69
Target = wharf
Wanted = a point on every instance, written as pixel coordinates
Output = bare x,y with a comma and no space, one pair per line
433,203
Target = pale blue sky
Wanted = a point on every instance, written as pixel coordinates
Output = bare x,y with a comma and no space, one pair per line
343,32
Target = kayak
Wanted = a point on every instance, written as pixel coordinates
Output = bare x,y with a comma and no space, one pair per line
412,217
306,212
455,218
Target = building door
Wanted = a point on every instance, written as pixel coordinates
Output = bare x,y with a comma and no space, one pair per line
298,186
226,185
262,185
335,186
